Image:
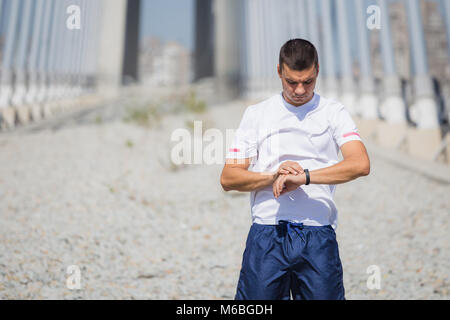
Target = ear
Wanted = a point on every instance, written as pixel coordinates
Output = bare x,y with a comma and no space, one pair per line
318,68
278,70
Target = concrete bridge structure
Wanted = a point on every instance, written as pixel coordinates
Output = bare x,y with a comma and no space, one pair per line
60,54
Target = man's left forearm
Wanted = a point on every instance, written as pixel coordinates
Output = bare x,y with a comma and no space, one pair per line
344,171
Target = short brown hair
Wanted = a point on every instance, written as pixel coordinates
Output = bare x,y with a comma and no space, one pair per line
298,54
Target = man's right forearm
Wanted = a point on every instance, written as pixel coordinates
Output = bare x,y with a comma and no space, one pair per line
245,181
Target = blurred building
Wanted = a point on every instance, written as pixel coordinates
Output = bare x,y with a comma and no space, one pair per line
150,48
165,64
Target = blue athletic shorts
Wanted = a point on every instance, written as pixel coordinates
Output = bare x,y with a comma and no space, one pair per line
290,258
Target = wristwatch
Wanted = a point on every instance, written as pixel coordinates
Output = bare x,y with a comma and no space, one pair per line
308,180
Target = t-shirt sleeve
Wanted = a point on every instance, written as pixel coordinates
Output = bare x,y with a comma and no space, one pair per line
244,144
343,127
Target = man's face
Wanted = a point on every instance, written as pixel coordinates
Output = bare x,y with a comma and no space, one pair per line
298,86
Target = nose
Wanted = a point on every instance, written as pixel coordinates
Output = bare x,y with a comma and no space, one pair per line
300,90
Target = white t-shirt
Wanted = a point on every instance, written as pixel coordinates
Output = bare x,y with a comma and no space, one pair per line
274,131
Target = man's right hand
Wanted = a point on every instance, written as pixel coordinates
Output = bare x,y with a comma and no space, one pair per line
235,175
289,167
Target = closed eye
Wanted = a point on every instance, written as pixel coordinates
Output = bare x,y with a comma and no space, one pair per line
293,82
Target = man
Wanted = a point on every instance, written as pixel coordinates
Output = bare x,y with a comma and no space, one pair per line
292,141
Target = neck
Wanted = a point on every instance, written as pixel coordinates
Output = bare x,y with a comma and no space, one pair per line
296,104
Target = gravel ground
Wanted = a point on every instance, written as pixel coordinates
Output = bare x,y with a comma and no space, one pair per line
103,196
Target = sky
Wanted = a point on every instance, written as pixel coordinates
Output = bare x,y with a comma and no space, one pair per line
168,20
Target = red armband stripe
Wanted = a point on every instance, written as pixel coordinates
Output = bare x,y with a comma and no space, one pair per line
351,134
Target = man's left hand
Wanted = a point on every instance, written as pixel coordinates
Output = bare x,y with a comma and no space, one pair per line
287,183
